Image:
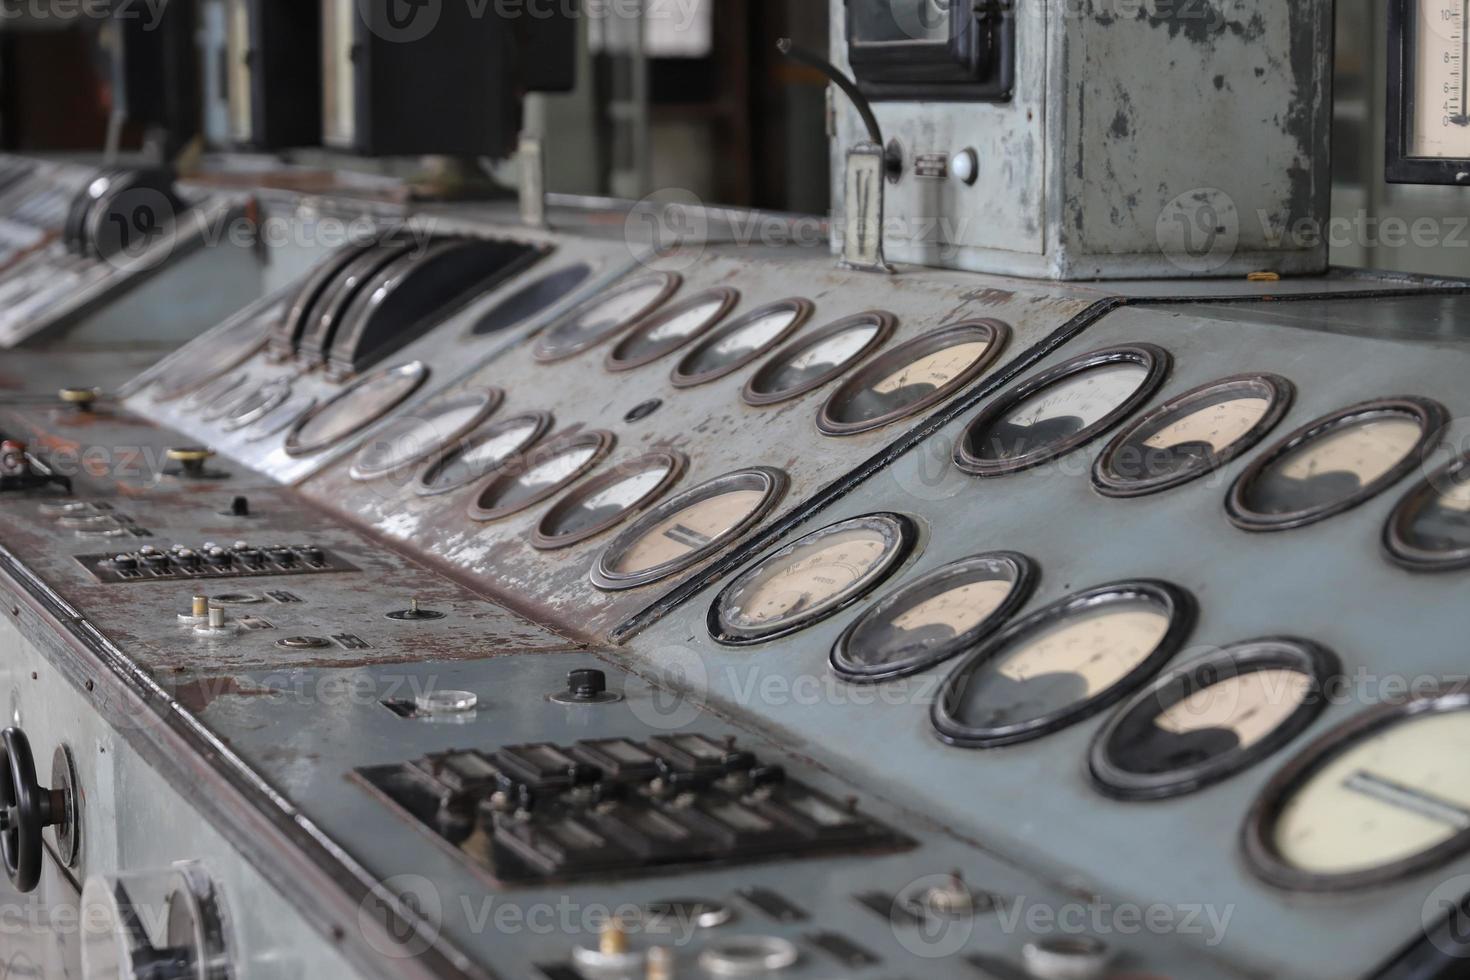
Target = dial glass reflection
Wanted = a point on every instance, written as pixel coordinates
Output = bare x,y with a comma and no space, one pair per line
689,531
933,622
913,382
1333,467
821,359
478,460
1060,411
606,504
808,578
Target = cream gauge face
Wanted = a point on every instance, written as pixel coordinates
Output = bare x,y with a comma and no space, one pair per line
689,531
1439,125
1429,529
1334,466
607,500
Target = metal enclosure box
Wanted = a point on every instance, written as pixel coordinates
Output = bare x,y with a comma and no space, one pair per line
274,74
1141,138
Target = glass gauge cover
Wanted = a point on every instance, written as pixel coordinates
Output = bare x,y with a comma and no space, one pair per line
281,418
939,616
1382,797
409,440
1429,529
1061,409
685,530
1335,463
1211,718
355,409
913,377
473,458
671,328
540,473
811,579
258,404
531,300
214,354
1062,664
218,391
741,341
605,315
813,361
608,500
1192,435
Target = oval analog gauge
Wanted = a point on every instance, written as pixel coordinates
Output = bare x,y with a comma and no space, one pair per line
1335,463
409,440
933,619
216,353
258,404
540,473
605,315
281,418
355,409
738,343
1212,718
608,500
913,377
1192,435
1429,529
685,530
1382,797
811,579
218,391
1061,410
531,300
811,362
1062,664
474,457
671,328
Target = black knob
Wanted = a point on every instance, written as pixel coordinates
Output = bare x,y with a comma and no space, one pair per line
586,684
25,810
240,507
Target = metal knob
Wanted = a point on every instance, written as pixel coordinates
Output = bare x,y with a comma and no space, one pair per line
191,459
82,399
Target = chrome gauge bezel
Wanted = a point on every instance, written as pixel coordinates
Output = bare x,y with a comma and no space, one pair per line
1175,603
1256,841
1278,392
757,395
484,403
1396,541
1429,415
901,537
801,311
722,298
600,442
1155,361
417,371
548,351
536,423
1020,571
673,464
772,483
258,404
1315,662
996,334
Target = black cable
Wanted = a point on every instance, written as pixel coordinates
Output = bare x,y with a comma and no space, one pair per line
814,60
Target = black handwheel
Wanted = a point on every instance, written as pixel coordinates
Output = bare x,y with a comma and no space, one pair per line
26,809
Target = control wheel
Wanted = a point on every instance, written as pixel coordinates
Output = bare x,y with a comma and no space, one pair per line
26,809
163,925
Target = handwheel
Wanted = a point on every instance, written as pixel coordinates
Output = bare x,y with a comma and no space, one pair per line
26,809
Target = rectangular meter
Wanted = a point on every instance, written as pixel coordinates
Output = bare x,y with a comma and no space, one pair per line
932,50
1429,92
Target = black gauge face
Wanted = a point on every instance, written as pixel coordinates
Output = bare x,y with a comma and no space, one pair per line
1062,664
606,315
355,409
478,455
809,363
1061,410
672,328
408,441
1335,463
258,404
1191,436
680,533
1384,796
912,377
215,354
740,342
531,300
933,619
811,579
1211,718
540,473
607,501
1429,530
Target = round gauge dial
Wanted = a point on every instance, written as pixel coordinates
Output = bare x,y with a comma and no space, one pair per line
672,328
606,315
687,529
927,622
1335,463
813,361
226,406
1211,718
531,300
1192,435
740,342
811,579
474,457
1061,410
355,409
1383,796
408,441
1429,530
258,404
281,418
1062,664
214,354
540,473
608,500
913,376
